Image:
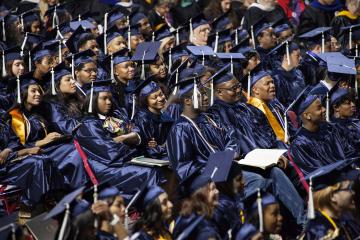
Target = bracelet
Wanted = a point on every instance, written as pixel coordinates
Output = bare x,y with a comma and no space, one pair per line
115,220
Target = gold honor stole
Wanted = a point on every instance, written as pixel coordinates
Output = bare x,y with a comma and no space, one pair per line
274,123
18,124
347,14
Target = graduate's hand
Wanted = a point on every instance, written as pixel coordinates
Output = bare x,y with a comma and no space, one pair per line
152,143
101,208
283,162
4,155
49,138
119,139
29,151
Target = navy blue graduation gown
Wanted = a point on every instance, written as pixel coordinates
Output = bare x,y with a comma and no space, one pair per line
32,173
153,126
248,121
108,159
288,84
313,68
350,128
312,150
122,95
204,230
174,110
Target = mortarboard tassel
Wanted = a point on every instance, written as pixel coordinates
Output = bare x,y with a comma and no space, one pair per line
95,197
176,81
13,231
213,173
133,106
79,18
129,38
216,42
253,36
177,37
191,34
260,211
91,99
350,38
18,89
112,68
58,33
72,66
236,37
286,128
287,52
327,107
126,222
203,57
142,76
65,222
3,31
311,209
29,59
170,62
60,53
54,18
322,42
249,86
53,92
3,65
231,65
105,30
22,22
356,51
153,37
23,45
212,92
195,95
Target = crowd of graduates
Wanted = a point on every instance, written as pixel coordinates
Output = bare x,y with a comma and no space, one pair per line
129,119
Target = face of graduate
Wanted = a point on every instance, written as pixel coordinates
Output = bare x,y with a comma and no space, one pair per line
35,27
295,58
343,198
136,40
166,206
118,208
92,45
45,64
344,110
353,108
272,219
145,27
159,69
125,71
67,85
201,34
17,68
116,44
285,35
120,23
264,89
104,102
253,62
203,99
228,46
238,184
156,101
170,43
213,194
163,9
229,91
34,97
267,39
87,74
225,5
315,113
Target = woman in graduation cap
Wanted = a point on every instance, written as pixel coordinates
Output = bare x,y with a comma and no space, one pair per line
156,215
42,61
32,130
11,34
31,21
332,202
154,125
200,197
109,141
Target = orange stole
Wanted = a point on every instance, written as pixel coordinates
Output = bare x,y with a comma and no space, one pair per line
274,123
18,124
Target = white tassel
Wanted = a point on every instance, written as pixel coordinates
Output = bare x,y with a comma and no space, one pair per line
3,31
203,57
231,65
216,42
142,76
129,38
54,18
260,211
177,37
286,128
176,81
65,221
322,42
153,37
112,68
79,18
253,36
311,209
191,34
3,65
195,95
133,106
249,86
22,22
95,197
356,50
23,45
236,37
287,52
60,53
90,110
53,91
105,30
58,33
170,62
213,173
327,107
350,39
212,92
13,231
30,67
72,66
18,89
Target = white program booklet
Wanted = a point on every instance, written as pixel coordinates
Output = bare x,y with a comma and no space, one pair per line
262,158
144,161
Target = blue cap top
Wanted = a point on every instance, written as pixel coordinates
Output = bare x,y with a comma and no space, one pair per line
85,24
162,32
222,75
100,86
137,17
147,51
222,22
258,76
338,95
109,193
217,170
246,232
200,50
12,54
152,193
281,28
199,20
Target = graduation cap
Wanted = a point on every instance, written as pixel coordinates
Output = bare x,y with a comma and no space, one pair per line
338,63
218,165
116,58
7,20
186,85
193,182
38,52
220,23
246,232
116,14
201,51
85,24
219,38
105,38
28,17
190,228
109,192
146,52
239,34
303,101
161,33
350,29
98,86
55,75
243,47
133,30
231,57
52,13
33,38
136,17
281,28
338,95
174,76
256,76
80,58
286,47
329,175
174,54
10,54
316,36
196,22
59,31
8,226
72,42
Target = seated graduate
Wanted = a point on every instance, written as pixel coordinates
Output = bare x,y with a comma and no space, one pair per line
200,197
332,202
115,41
109,140
343,116
154,124
249,231
312,66
288,79
24,168
264,213
156,215
32,130
62,102
317,143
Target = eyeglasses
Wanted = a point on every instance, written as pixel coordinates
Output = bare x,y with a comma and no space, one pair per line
347,189
233,88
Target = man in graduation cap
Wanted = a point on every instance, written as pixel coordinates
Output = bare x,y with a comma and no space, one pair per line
199,30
